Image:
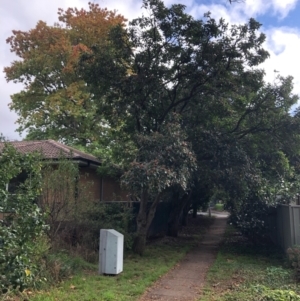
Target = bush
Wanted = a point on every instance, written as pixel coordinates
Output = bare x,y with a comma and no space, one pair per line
23,243
63,195
294,260
116,215
275,295
81,235
250,218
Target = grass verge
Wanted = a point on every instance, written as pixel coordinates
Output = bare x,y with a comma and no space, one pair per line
243,271
138,272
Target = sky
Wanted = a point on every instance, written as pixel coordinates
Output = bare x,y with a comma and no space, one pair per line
280,21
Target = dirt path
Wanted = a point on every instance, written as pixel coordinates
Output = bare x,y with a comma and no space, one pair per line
185,281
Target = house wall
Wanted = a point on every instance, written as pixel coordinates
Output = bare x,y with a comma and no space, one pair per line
92,181
112,191
104,189
95,187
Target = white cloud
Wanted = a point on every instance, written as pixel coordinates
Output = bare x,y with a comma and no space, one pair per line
218,11
128,8
282,8
283,45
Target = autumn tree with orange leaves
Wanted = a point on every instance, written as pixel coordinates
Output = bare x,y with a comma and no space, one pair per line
56,102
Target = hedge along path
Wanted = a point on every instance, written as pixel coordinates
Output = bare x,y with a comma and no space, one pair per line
185,281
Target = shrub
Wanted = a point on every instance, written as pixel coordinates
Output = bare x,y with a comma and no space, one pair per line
294,260
250,218
275,295
80,236
63,195
115,215
22,228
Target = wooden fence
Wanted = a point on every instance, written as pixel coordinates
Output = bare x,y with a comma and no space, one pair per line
285,226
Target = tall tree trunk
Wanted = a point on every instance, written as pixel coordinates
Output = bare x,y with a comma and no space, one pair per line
195,209
185,213
144,220
174,219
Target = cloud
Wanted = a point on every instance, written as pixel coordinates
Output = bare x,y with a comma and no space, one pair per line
283,44
282,8
128,8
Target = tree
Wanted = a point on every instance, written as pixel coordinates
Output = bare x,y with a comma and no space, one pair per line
163,160
56,102
249,150
204,71
173,60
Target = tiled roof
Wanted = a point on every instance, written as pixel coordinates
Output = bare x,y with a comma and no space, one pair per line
51,149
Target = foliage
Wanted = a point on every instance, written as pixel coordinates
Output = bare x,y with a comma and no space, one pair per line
275,295
293,254
63,194
205,71
115,215
252,213
74,218
251,218
164,159
55,102
22,229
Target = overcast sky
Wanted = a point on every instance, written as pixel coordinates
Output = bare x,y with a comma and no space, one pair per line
280,20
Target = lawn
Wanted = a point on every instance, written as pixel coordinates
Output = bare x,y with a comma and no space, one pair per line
139,273
243,271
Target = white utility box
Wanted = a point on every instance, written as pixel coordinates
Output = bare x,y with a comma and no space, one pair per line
111,252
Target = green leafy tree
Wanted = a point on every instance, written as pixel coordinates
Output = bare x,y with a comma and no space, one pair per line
169,62
164,159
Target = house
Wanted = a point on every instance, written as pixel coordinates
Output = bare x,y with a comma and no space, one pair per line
104,189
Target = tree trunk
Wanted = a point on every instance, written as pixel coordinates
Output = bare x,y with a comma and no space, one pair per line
185,213
195,210
174,219
143,221
139,243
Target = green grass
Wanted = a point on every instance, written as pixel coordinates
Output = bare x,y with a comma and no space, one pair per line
243,271
219,207
138,273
